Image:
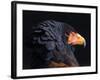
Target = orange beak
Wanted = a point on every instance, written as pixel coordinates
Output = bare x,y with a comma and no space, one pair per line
76,39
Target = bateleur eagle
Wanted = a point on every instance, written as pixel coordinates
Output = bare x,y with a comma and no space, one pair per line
56,42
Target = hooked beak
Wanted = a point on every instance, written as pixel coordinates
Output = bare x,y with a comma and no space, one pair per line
76,39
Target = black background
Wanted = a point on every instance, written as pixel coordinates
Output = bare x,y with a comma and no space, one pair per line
80,21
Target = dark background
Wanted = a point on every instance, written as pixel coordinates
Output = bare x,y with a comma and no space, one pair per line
80,21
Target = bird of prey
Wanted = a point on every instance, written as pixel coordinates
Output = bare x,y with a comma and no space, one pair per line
54,42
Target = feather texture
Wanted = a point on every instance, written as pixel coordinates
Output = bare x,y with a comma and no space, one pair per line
51,35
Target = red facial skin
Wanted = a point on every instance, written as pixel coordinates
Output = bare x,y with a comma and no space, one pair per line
75,39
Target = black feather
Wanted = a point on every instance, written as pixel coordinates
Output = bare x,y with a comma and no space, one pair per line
51,34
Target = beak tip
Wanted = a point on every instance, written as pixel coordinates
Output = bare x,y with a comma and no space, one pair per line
84,43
